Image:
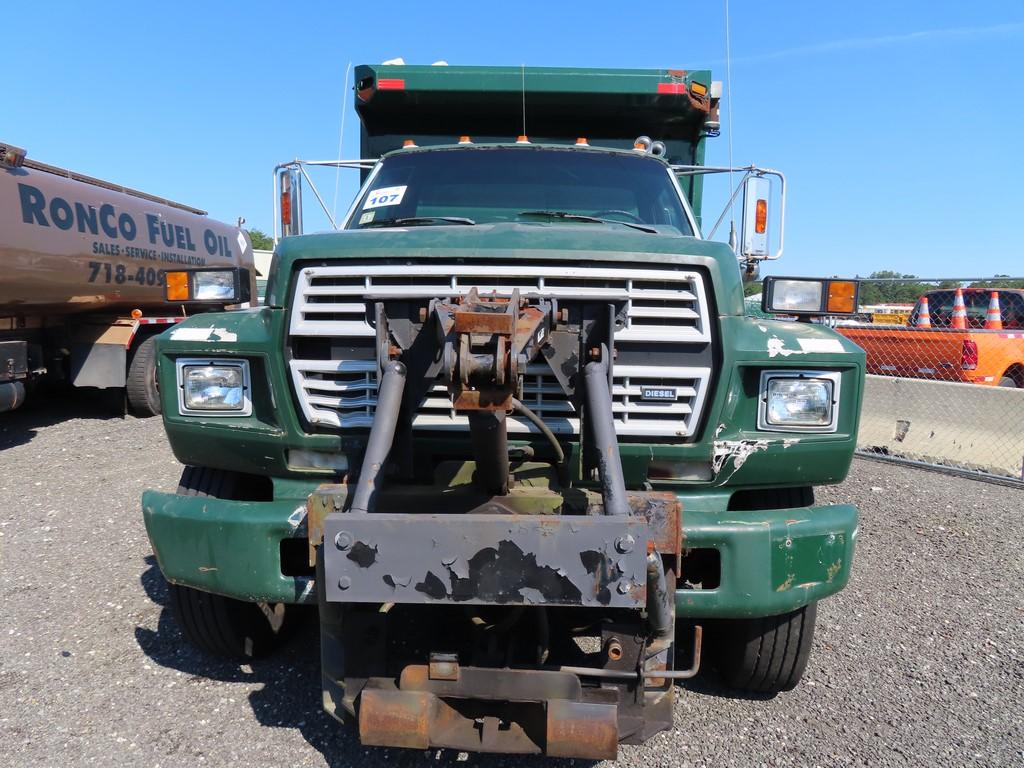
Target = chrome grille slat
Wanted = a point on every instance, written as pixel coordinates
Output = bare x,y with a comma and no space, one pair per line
664,307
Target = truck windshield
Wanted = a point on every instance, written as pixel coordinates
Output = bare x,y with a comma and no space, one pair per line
478,185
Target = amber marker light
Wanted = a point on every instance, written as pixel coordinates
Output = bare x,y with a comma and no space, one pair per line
177,286
842,297
136,314
582,142
464,140
522,139
408,143
761,216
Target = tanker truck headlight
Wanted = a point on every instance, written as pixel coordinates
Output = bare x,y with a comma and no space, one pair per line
798,401
213,286
214,387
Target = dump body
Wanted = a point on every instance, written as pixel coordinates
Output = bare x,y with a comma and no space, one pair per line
991,357
502,413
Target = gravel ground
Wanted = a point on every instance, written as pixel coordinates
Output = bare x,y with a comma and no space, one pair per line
919,661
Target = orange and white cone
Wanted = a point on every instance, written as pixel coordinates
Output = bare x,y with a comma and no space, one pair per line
924,318
994,315
959,319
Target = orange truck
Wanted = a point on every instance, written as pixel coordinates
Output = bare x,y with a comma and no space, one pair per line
932,346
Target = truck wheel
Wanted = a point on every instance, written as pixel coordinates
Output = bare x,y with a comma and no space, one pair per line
1007,381
143,393
218,625
767,654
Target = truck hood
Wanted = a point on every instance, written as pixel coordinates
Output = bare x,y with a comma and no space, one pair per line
510,242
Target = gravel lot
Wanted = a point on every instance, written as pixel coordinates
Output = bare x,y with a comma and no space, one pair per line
919,661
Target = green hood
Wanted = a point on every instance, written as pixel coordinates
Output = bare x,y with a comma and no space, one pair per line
509,242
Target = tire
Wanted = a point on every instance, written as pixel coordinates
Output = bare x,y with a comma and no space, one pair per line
1008,381
218,625
141,384
765,655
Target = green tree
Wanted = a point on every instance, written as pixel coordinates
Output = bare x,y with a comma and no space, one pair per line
261,241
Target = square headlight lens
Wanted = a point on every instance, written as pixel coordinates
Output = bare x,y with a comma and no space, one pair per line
799,402
213,387
796,296
213,286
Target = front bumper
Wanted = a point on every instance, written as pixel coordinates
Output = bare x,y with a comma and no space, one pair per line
771,561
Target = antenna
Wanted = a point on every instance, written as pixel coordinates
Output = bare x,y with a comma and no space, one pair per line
522,68
341,138
728,101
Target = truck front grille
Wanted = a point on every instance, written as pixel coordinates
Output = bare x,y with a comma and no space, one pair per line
667,313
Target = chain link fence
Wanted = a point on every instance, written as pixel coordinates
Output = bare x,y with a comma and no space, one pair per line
945,363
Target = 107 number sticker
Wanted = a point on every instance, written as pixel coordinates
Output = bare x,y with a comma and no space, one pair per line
384,196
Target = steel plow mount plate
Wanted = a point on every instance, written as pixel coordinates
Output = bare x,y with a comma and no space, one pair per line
482,559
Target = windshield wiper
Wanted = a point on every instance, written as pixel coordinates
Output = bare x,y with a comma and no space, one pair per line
416,221
592,219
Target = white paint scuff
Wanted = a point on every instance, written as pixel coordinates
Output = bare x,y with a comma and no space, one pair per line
203,334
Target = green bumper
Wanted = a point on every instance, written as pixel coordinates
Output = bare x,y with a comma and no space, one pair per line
232,548
771,561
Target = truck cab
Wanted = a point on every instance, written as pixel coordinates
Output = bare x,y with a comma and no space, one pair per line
508,426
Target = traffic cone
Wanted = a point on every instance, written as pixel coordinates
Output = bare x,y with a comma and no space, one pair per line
959,319
994,315
924,318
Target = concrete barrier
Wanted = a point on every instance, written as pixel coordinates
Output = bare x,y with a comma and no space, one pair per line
967,426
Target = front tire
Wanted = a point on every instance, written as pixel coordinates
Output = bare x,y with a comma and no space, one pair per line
218,625
141,385
767,654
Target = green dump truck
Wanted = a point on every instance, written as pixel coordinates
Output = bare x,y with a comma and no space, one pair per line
509,427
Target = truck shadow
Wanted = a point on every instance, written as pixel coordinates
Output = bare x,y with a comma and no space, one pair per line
53,406
288,695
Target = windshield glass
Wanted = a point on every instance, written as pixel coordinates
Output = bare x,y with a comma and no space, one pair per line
520,184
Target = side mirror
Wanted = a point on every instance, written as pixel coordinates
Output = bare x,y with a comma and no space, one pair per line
290,201
754,242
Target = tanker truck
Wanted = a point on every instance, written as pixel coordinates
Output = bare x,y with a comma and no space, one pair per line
83,289
509,428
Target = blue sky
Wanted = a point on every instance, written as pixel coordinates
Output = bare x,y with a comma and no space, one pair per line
898,124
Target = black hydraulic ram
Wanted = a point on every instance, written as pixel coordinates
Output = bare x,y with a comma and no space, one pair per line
602,425
382,434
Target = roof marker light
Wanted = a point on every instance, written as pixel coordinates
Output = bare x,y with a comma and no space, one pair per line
408,144
464,140
391,84
136,314
522,140
582,142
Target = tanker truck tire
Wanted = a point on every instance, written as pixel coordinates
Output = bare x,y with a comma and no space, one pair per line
141,387
765,655
1007,381
222,626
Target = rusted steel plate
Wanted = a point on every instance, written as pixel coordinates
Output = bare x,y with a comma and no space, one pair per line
485,322
576,729
484,559
494,684
662,510
395,718
482,400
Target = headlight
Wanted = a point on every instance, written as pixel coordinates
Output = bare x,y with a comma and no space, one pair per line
805,296
799,401
213,286
214,387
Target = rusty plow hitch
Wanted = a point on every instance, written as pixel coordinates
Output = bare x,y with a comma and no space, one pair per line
505,606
